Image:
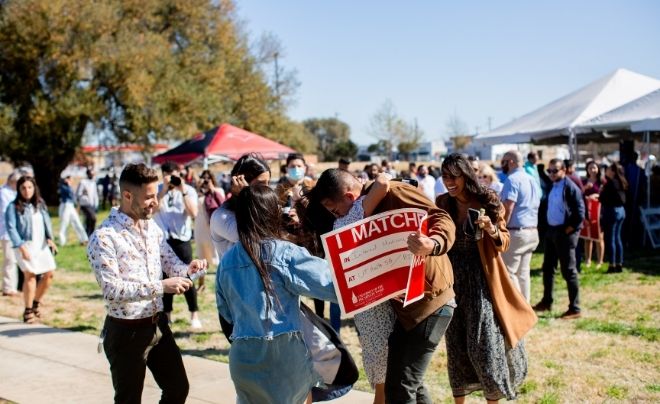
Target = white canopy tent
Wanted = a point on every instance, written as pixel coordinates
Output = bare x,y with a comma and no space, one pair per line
639,115
558,120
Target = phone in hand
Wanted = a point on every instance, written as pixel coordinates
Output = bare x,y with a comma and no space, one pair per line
474,215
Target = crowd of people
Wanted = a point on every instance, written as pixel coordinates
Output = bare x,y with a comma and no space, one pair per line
265,242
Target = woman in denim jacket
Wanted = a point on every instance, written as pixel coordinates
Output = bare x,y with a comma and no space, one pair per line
258,288
31,233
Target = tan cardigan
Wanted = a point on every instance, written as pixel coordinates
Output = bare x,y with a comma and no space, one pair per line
515,315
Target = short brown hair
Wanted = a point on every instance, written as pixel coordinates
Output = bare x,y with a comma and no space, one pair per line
137,175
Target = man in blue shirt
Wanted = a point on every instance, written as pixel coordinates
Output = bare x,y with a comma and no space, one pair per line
565,217
521,198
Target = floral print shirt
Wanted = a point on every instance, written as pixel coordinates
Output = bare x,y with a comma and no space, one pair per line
129,262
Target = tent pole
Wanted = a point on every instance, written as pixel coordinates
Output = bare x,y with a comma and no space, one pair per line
647,145
206,162
572,148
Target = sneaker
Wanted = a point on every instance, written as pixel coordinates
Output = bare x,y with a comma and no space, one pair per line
542,306
570,315
195,324
614,269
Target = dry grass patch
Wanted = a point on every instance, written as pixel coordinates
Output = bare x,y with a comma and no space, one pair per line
610,355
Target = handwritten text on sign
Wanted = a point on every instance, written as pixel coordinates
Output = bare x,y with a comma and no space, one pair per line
370,258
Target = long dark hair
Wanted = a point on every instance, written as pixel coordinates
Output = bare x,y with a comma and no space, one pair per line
599,174
250,166
619,175
258,219
21,202
457,165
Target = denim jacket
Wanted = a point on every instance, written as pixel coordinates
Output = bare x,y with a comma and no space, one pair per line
19,225
241,297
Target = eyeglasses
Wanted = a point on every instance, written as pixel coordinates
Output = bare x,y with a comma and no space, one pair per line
553,171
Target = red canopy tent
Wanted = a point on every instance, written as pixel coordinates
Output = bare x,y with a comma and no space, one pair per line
222,143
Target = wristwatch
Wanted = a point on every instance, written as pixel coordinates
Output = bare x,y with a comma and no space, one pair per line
436,248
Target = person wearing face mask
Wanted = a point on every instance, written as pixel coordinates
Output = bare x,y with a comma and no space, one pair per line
290,187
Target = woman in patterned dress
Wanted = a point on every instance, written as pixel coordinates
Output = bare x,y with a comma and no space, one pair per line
479,353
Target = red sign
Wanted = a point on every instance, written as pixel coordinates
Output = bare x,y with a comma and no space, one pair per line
371,262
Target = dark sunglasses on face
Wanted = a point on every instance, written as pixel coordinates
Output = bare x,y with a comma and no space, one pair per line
553,171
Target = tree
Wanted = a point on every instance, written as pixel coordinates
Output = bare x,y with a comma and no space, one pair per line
392,131
458,132
143,70
345,149
330,133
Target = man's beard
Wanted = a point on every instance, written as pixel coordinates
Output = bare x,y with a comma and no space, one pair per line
142,213
505,169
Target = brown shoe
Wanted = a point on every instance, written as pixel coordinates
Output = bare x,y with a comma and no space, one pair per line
570,315
10,294
542,306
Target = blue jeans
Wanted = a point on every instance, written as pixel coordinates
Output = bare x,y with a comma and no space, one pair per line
612,221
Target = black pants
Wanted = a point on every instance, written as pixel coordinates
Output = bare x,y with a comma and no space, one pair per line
127,350
409,354
90,218
560,246
183,250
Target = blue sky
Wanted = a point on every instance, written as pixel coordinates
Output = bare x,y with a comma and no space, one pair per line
477,59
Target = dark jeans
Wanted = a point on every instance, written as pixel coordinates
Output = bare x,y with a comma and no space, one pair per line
126,347
409,354
560,246
90,218
335,316
612,222
183,250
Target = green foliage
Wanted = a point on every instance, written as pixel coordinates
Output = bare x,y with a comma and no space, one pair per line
333,137
144,70
637,330
616,392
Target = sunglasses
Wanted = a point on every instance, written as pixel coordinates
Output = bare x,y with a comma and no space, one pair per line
553,171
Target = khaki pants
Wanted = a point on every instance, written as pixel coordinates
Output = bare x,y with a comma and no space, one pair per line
518,256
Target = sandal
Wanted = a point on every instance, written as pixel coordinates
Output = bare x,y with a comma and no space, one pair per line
29,317
35,309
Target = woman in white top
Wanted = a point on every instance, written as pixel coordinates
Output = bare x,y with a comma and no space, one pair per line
250,169
211,197
31,233
488,178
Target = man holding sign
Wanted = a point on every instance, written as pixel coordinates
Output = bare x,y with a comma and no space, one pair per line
420,325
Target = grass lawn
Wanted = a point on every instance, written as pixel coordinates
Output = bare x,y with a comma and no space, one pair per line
610,354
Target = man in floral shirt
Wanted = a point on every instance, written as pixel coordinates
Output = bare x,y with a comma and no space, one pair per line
129,254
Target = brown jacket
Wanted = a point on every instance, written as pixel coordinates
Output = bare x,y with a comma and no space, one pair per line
439,275
515,315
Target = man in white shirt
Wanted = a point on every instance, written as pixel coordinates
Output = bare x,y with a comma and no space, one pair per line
87,196
9,269
426,182
129,254
176,210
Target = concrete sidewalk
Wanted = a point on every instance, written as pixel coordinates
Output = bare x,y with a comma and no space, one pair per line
42,364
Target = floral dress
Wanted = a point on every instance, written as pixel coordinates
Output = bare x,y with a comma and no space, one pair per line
374,325
477,357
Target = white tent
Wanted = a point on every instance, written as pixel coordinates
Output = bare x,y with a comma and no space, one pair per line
639,114
558,119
